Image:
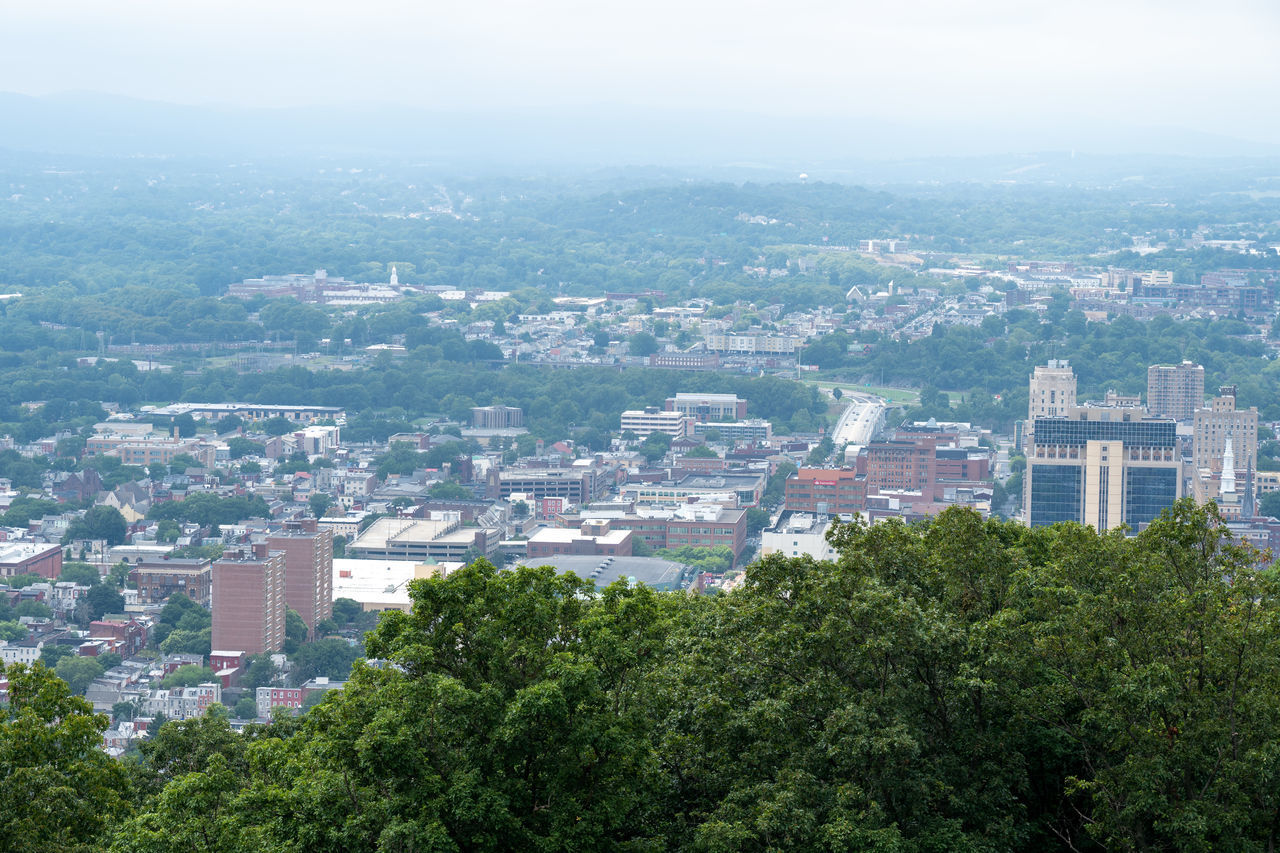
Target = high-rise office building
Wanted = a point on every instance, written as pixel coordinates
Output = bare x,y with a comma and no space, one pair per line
1214,424
248,600
1103,468
1053,391
1175,390
308,560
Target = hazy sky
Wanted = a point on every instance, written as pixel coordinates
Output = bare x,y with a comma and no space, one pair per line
1207,66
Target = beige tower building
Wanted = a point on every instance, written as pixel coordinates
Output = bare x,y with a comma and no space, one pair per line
1214,424
1053,391
1175,390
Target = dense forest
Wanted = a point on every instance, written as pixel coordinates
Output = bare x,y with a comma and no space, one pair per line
956,685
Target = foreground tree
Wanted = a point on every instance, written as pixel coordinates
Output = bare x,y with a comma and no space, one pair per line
961,684
58,790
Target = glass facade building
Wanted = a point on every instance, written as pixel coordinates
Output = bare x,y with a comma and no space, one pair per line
1103,473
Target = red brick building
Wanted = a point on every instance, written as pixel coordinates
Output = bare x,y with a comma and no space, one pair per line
902,466
30,558
698,526
128,638
156,580
277,697
308,586
249,600
826,491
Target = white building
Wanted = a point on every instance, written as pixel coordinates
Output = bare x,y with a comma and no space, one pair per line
798,535
650,420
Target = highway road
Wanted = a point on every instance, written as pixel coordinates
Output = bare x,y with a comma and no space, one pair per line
862,419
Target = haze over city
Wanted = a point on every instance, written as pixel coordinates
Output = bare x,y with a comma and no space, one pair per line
992,76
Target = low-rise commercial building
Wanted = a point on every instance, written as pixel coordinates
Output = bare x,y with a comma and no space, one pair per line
30,558
645,422
592,538
156,580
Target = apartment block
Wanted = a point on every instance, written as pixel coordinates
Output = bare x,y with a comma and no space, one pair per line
651,419
308,553
249,600
757,430
156,580
1175,390
497,417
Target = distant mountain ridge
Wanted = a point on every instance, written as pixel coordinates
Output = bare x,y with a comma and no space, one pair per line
98,124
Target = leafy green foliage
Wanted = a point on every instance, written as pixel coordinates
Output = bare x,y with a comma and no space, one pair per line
25,508
717,559
655,446
36,609
449,490
78,671
59,791
959,684
239,447
319,503
99,522
81,573
103,599
821,452
775,490
346,610
22,581
13,632
208,510
52,653
188,675
295,631
259,672
1270,505
329,658
179,641
701,452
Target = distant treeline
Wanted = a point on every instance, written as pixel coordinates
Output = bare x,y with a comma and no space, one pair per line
100,224
386,396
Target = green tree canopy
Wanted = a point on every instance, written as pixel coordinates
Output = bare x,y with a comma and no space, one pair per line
99,522
103,599
78,671
59,791
956,684
81,573
187,675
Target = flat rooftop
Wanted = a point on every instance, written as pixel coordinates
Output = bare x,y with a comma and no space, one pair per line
381,584
650,571
388,530
16,552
